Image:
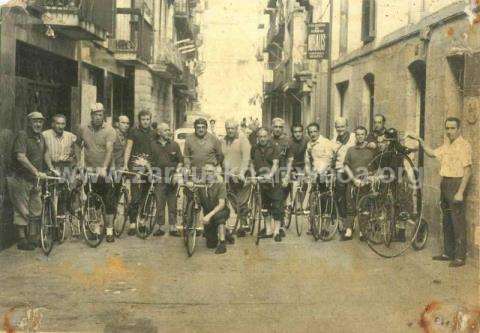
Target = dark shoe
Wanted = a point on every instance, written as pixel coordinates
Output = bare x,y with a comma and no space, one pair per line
229,238
282,233
142,229
442,257
159,233
221,248
174,233
344,238
278,238
110,239
24,245
263,234
457,263
131,232
241,233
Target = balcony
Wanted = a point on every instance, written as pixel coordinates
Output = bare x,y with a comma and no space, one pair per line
170,62
76,19
138,49
186,84
184,14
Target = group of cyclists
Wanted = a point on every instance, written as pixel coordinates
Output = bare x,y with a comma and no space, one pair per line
228,165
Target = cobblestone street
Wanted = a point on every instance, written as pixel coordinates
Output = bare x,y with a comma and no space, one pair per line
294,286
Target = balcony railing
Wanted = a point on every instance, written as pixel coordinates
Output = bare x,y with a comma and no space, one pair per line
182,8
82,19
138,49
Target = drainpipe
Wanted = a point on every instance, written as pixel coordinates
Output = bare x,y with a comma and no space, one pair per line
330,81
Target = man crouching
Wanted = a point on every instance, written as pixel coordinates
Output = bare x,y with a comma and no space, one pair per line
215,210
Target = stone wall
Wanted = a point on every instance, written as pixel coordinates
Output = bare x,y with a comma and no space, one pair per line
396,97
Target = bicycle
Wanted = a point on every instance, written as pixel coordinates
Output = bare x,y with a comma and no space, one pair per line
232,201
146,218
323,217
295,207
255,207
391,213
122,197
190,213
50,226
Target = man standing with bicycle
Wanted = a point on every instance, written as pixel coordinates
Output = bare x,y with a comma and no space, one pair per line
236,149
455,158
356,164
379,130
264,163
281,143
29,150
167,161
97,139
137,156
62,156
319,158
344,141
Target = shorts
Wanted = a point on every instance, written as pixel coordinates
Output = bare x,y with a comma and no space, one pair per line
272,200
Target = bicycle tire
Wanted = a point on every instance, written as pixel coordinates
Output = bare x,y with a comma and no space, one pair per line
366,219
251,213
328,218
258,217
289,211
298,211
406,199
120,217
61,230
47,227
314,217
190,228
146,217
421,238
93,220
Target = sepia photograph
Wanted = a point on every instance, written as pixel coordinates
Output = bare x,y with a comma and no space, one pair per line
239,166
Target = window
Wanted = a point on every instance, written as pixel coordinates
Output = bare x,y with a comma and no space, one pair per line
370,97
368,20
342,90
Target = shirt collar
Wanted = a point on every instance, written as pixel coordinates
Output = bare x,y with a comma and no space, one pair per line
343,139
32,134
93,129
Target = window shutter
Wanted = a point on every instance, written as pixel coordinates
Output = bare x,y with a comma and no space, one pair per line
372,20
368,20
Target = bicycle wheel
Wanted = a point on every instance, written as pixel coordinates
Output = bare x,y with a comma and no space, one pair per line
298,211
400,204
120,216
289,212
47,227
251,214
232,204
368,219
146,218
61,229
93,220
422,237
328,217
190,228
314,217
258,217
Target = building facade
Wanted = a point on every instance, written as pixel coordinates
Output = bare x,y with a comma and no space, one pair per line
417,63
61,56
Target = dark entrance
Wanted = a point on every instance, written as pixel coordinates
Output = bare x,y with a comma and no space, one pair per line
418,69
44,83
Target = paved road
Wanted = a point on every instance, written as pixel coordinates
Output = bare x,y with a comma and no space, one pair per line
294,286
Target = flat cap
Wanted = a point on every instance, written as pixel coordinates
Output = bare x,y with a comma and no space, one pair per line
35,115
97,107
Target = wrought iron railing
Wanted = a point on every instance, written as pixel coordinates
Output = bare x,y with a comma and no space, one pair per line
169,54
182,7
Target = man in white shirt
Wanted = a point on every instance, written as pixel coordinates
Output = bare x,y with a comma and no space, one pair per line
344,141
455,158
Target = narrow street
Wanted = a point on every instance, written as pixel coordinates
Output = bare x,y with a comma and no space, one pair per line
294,286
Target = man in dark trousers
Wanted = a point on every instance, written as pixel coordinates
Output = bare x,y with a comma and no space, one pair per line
455,158
167,160
215,211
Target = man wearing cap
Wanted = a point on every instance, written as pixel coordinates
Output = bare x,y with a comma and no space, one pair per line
29,150
455,157
202,148
97,139
138,152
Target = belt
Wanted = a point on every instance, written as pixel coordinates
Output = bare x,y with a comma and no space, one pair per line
452,178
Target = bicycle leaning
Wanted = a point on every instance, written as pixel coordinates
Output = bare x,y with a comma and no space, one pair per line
294,209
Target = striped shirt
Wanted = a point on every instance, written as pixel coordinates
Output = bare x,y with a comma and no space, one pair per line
60,148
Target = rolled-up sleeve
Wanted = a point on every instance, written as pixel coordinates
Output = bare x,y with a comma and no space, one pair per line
466,156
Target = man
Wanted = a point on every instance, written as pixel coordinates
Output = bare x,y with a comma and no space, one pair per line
215,211
356,165
97,139
297,148
202,148
123,125
344,141
455,158
61,155
281,144
378,131
319,157
264,163
212,127
29,150
236,150
167,160
137,156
